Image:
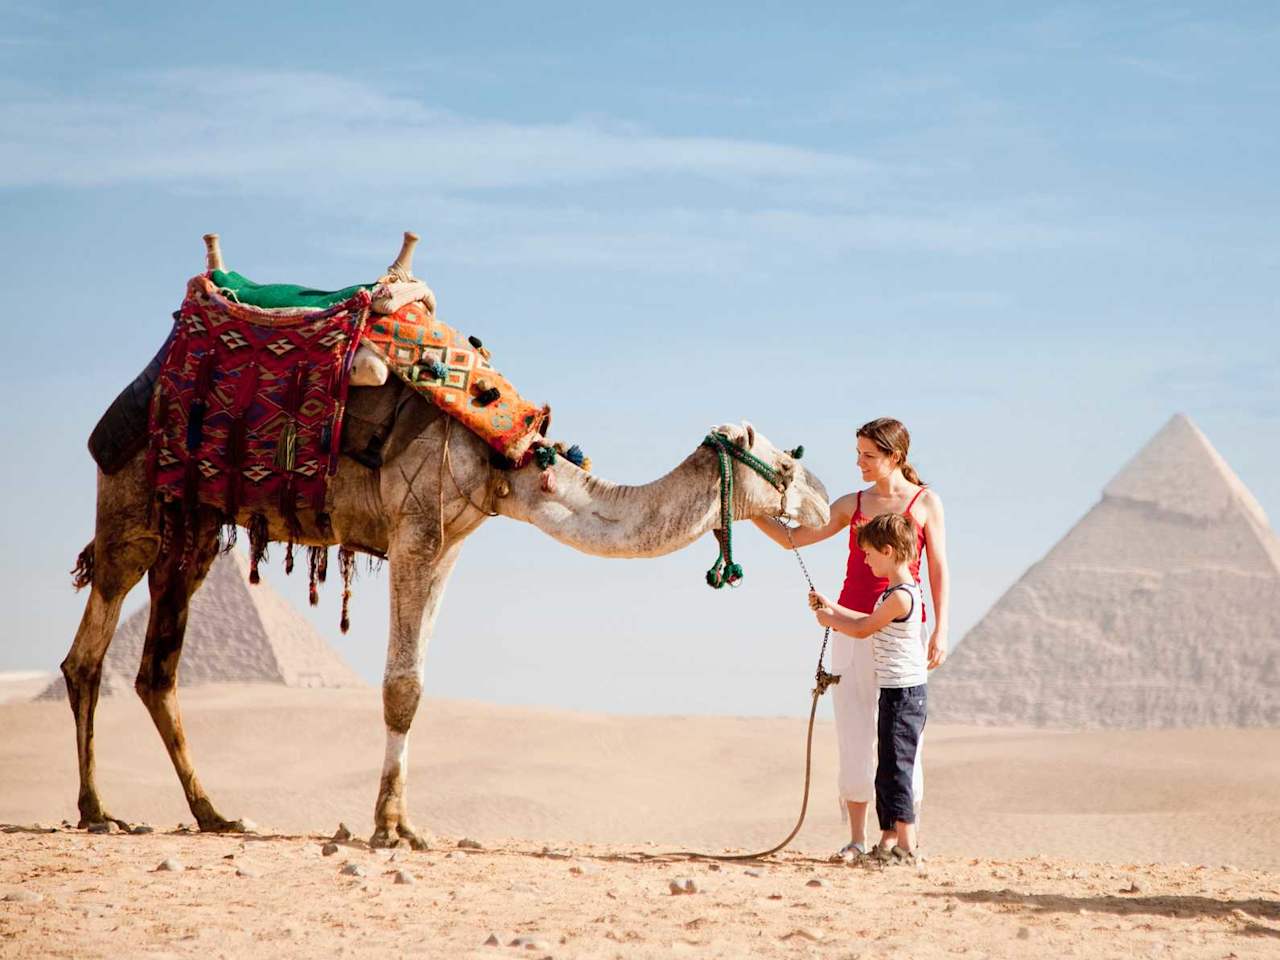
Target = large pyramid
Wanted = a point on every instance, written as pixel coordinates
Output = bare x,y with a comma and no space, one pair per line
236,633
1160,608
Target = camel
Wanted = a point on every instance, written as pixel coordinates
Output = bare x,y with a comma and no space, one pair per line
436,485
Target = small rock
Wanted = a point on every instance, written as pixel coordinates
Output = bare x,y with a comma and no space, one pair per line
23,896
329,849
142,828
751,872
529,943
805,933
683,885
247,872
584,870
815,882
466,843
342,834
106,826
170,865
557,854
404,877
352,870
1133,887
1023,933
713,867
455,855
493,941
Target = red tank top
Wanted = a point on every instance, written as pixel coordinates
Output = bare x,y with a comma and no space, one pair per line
862,588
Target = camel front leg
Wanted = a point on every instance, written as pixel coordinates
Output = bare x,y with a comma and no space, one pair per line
418,579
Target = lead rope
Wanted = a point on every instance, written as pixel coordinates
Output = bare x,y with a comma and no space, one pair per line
822,680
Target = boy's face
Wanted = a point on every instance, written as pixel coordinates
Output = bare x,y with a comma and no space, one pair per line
881,561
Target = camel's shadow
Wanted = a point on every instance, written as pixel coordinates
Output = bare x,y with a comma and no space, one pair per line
1247,912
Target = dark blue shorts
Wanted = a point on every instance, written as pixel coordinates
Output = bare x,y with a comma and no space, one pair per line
902,715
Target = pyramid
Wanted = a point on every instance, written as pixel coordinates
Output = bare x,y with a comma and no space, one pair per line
236,633
1160,608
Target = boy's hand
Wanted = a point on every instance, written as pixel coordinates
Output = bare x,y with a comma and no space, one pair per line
820,604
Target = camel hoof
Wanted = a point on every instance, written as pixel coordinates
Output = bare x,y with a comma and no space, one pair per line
383,840
221,825
103,824
415,839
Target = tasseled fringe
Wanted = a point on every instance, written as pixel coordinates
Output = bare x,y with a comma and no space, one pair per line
288,558
257,545
82,574
228,534
318,568
374,564
347,567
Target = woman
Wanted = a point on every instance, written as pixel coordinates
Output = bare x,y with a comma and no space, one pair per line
895,488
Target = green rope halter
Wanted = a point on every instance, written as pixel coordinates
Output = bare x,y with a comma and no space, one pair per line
725,571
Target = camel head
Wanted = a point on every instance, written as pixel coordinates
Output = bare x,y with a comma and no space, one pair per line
804,499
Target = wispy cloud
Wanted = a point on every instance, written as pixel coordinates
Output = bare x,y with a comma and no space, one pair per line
683,203
305,127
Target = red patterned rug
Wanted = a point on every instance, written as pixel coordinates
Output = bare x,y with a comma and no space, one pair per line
247,411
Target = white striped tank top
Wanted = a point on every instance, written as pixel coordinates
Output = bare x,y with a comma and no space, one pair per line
898,646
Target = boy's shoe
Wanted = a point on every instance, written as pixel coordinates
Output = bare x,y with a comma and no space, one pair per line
850,853
910,858
882,854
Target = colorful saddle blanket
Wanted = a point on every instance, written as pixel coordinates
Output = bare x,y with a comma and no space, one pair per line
247,410
455,374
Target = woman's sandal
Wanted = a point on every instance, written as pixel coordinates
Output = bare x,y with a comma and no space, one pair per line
850,853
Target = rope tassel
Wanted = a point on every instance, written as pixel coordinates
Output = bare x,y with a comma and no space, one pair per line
347,568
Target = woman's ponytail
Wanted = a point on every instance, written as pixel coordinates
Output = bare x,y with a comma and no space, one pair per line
909,472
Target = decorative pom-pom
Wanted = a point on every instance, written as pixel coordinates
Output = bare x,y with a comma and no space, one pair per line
575,455
475,342
797,453
545,456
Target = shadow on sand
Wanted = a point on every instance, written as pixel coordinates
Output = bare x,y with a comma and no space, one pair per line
1250,914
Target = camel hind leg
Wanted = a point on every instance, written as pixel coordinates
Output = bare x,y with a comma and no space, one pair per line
122,549
172,581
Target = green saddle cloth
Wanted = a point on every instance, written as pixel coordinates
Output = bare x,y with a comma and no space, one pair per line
273,296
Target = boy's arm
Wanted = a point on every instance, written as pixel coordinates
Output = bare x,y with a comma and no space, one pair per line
863,625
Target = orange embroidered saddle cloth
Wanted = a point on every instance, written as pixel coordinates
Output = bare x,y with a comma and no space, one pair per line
455,374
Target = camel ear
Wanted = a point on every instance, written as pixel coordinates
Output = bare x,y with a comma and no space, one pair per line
748,435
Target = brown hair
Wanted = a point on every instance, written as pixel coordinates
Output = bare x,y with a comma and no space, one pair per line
891,530
891,437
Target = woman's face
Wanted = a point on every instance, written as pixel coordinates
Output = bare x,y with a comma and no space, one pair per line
874,463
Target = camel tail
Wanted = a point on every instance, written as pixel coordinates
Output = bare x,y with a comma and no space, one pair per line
82,574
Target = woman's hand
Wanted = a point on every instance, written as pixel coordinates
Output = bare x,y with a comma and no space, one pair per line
938,647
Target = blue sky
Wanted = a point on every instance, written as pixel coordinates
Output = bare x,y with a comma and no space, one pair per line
1031,232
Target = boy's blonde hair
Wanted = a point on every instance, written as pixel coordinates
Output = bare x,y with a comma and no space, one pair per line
891,530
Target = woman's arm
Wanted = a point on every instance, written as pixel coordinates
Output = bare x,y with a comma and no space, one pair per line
841,514
935,541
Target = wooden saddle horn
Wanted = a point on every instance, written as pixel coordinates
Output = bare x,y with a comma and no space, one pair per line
402,269
212,253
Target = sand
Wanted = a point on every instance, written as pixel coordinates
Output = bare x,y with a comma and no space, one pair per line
1030,836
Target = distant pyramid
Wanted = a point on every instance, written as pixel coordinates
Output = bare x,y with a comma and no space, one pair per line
1160,608
236,633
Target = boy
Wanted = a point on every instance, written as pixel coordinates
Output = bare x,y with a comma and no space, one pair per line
893,628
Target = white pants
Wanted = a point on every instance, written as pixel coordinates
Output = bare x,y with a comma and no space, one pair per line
856,700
